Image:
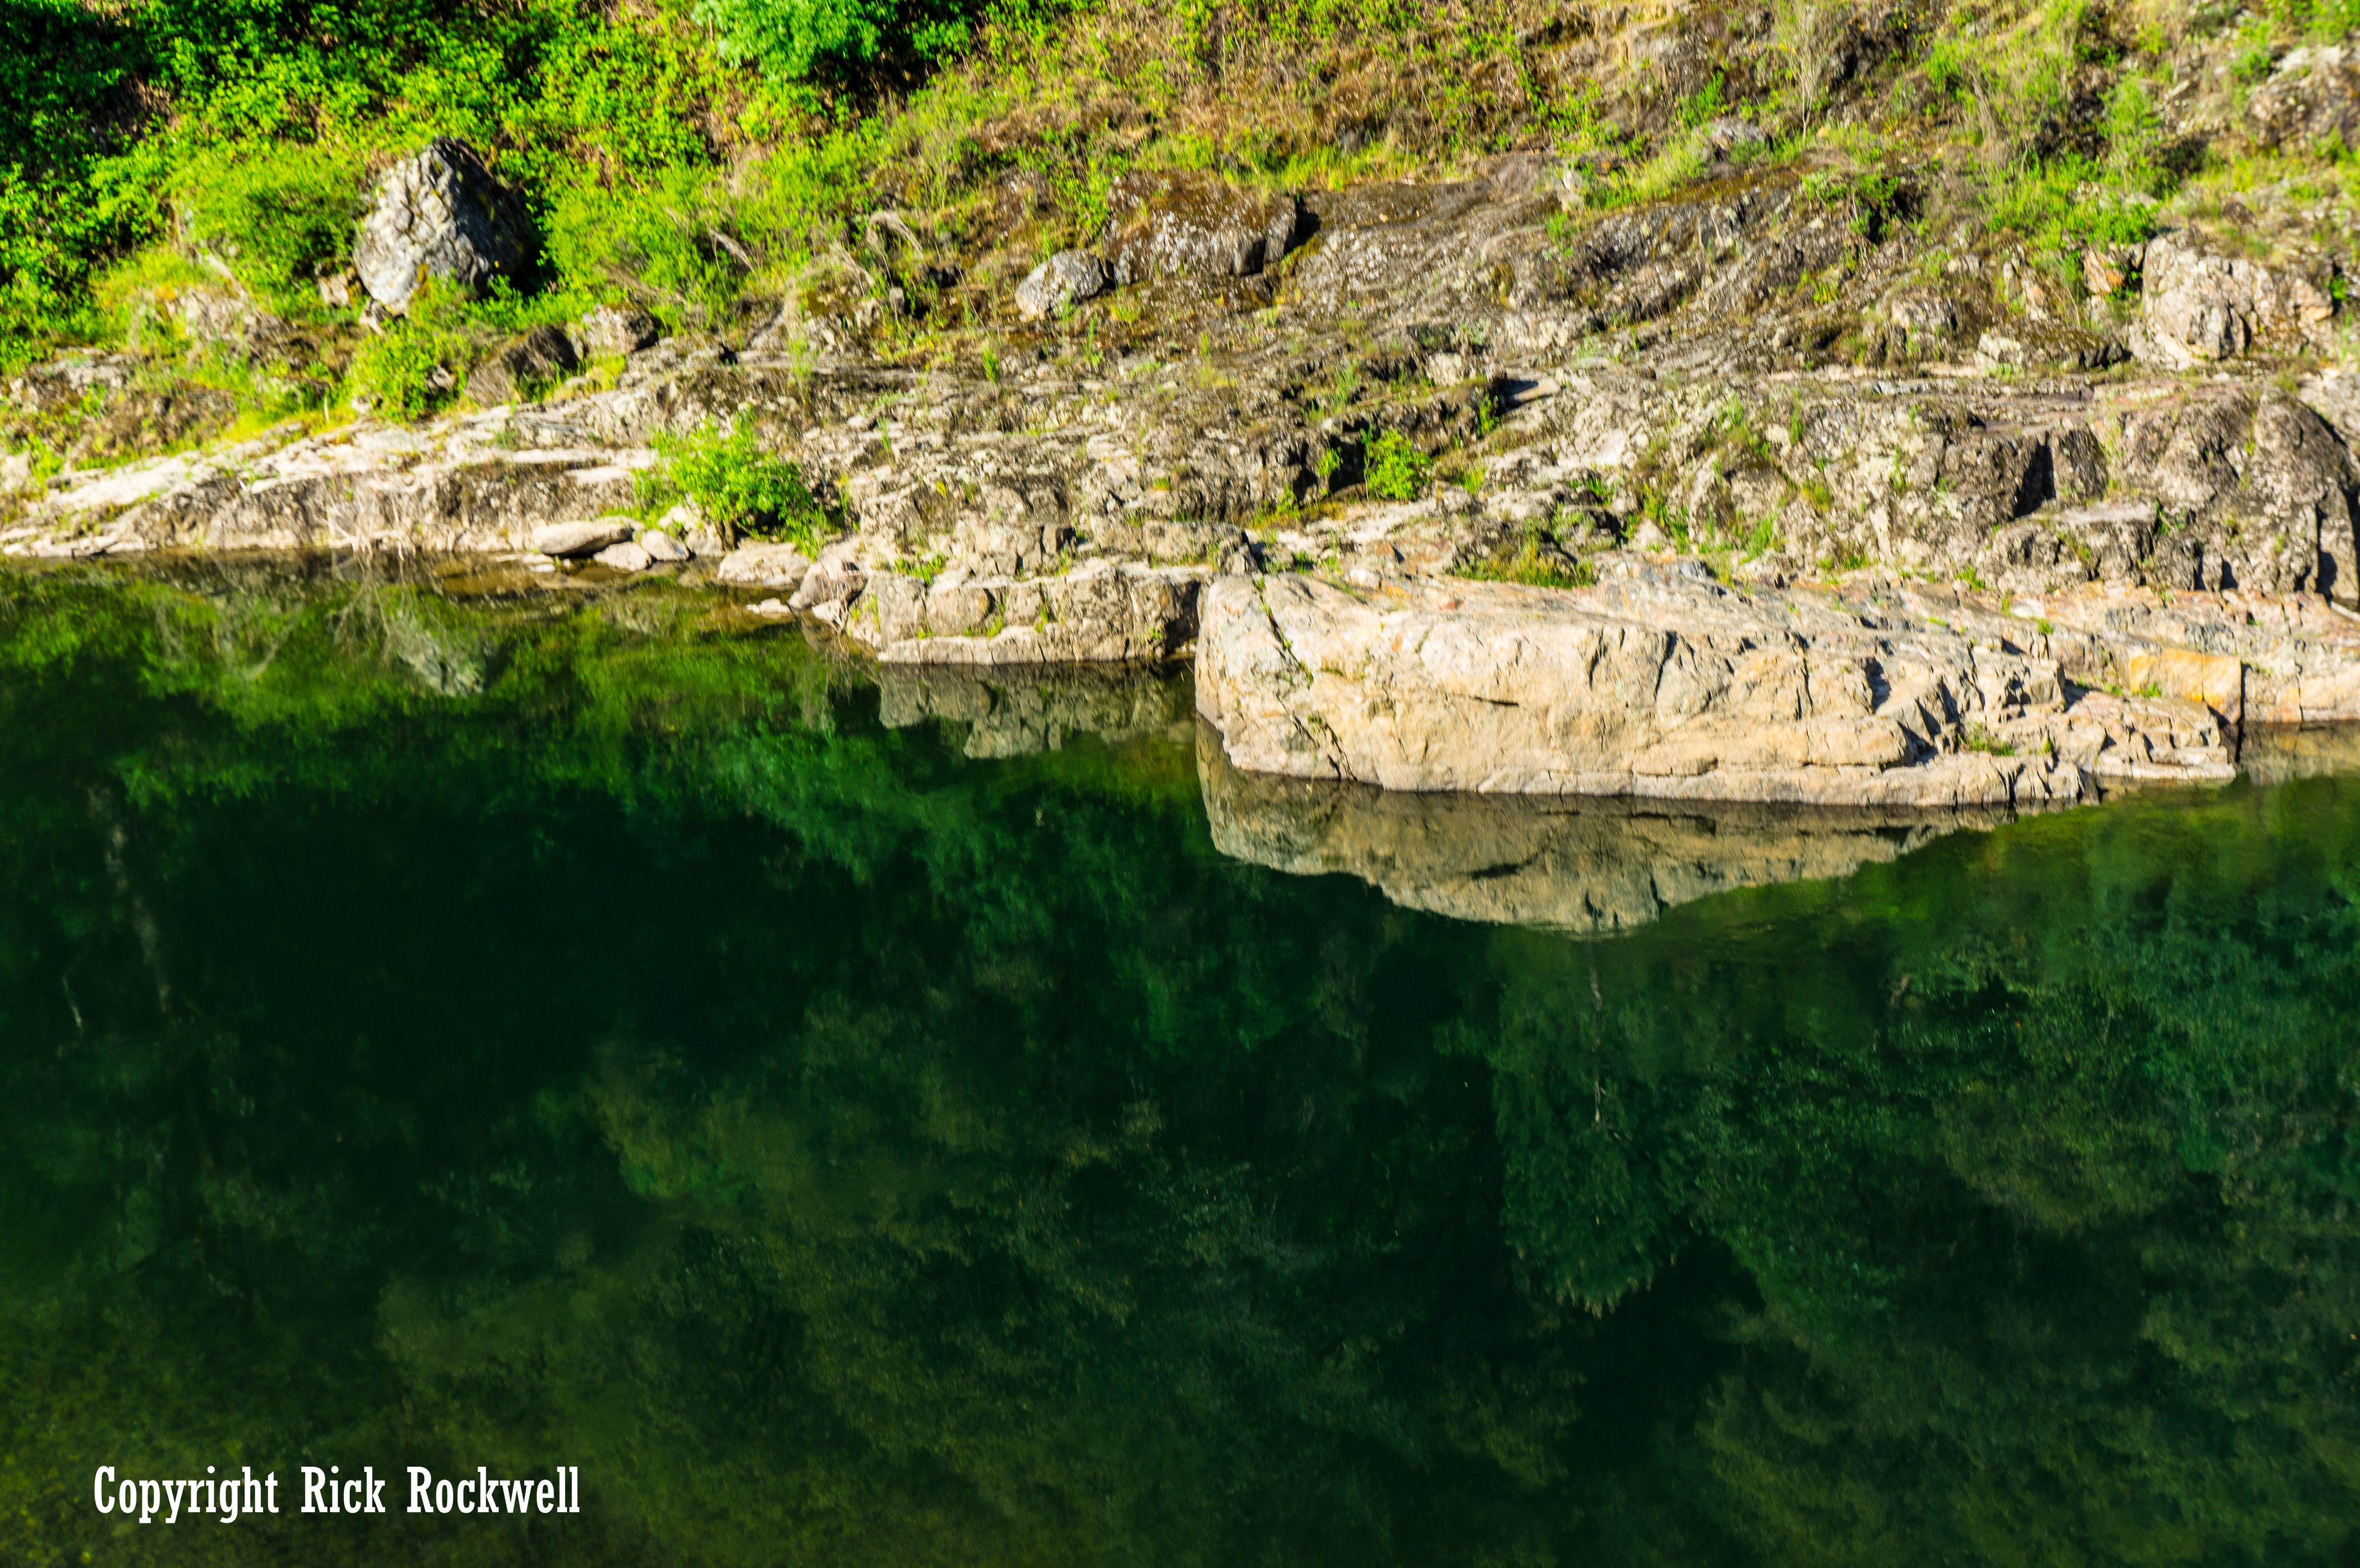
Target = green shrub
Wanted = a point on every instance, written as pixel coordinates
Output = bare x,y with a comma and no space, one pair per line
737,483
788,37
792,40
400,372
1397,469
60,208
279,214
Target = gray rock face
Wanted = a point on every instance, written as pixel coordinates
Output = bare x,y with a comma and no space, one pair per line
617,329
512,371
566,540
440,214
2201,307
1059,283
1660,684
662,545
2313,97
2043,345
627,556
1577,864
764,566
1101,613
1193,227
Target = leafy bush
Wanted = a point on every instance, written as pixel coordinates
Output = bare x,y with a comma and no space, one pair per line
737,484
400,372
278,214
67,100
788,37
1397,470
792,40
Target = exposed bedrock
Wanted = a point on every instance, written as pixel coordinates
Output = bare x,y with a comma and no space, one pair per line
1666,685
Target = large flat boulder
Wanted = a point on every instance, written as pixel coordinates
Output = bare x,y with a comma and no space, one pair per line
1664,685
1195,227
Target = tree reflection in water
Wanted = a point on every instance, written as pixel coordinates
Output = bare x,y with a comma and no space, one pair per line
526,1032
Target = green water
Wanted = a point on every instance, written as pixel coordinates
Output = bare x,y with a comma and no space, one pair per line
466,1032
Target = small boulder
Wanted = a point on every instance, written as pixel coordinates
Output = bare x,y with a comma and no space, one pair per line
541,355
1059,283
629,556
686,522
440,214
219,320
567,541
617,329
1196,227
2201,307
2313,97
764,566
2107,270
662,545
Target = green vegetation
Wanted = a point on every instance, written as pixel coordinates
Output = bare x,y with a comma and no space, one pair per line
1395,468
714,161
737,484
1537,561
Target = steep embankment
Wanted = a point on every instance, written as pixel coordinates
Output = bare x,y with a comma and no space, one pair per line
1948,411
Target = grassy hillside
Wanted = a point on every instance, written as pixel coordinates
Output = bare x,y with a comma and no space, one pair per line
694,156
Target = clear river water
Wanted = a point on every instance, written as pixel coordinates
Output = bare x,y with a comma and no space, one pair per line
854,1117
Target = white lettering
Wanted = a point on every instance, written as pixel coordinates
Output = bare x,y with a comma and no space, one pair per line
173,1492
98,1489
548,1496
151,1497
316,1482
422,1482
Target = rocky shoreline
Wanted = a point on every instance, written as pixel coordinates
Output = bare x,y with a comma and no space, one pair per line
2011,562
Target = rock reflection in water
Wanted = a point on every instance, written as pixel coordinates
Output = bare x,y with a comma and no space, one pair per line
1016,713
2276,753
1582,864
